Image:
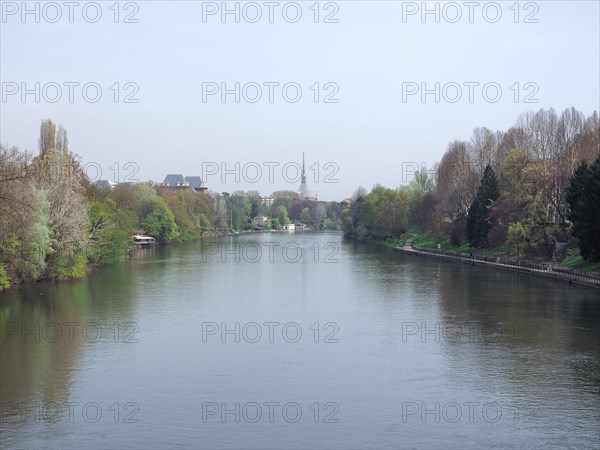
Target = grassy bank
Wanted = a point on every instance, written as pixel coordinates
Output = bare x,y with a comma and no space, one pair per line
430,240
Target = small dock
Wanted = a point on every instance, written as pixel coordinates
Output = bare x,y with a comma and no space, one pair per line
142,240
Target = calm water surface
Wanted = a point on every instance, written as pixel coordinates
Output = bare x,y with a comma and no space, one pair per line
347,347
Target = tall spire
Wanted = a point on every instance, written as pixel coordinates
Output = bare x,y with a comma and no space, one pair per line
303,179
303,190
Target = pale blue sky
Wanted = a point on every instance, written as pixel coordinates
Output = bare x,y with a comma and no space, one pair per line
369,53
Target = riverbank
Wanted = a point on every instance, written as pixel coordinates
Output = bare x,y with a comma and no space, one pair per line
131,250
572,276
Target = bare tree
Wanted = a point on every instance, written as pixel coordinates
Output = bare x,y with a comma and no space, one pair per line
14,169
485,148
457,180
358,193
47,136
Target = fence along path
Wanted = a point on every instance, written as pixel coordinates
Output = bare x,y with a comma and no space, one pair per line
579,276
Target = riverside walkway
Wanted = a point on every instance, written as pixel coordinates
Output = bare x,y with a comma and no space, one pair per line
572,276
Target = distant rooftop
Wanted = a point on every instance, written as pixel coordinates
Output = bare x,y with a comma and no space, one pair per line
194,181
173,180
104,184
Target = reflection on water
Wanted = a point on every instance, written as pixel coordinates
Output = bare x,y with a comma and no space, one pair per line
215,344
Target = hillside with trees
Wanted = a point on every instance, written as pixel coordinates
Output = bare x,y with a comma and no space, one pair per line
529,192
56,224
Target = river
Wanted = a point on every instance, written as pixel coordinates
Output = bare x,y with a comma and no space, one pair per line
299,340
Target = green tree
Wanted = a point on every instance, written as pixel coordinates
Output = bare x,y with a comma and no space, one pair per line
160,222
25,237
4,279
186,224
476,229
111,230
385,212
282,215
517,238
478,220
488,190
583,198
521,199
421,184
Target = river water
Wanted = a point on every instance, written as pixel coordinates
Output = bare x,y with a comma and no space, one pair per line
299,340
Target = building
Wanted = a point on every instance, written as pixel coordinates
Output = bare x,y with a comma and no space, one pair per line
267,201
196,183
105,184
260,221
175,181
178,181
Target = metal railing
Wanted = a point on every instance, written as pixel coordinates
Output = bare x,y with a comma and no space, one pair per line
565,273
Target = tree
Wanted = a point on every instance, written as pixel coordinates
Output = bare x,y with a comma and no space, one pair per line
518,235
520,183
283,198
478,220
358,193
24,215
282,215
57,172
318,213
200,208
426,212
456,181
476,230
160,222
485,148
420,185
47,136
111,230
521,199
241,207
221,213
386,211
488,190
583,198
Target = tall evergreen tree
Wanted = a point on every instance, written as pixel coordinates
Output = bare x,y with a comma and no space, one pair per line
583,197
474,220
488,191
478,222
